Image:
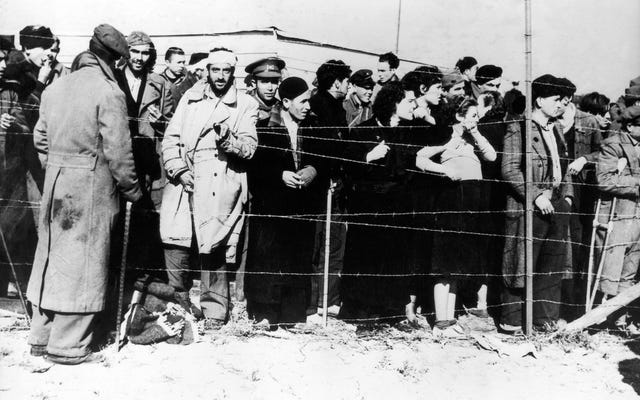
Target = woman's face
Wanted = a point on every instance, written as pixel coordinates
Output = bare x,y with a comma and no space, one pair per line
433,96
404,109
470,120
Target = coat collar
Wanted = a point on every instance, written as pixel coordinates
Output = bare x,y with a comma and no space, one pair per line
89,59
628,146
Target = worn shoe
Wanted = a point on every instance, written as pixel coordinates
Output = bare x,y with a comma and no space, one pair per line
38,350
91,358
477,312
183,299
448,329
515,330
332,311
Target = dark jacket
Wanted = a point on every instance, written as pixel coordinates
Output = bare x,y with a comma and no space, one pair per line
513,172
356,112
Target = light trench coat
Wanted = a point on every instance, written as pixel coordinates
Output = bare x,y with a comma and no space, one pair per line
214,211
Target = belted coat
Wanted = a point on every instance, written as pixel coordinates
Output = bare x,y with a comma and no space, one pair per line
214,210
82,139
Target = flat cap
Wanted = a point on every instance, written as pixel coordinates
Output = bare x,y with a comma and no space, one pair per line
32,36
632,92
139,38
197,57
488,73
112,39
362,78
270,67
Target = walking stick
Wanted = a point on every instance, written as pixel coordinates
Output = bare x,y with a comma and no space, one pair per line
591,251
327,249
15,276
123,267
622,163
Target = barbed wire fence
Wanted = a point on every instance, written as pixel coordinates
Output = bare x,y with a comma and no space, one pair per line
314,218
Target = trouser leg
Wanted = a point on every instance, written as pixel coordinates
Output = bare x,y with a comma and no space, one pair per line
631,259
338,236
177,265
214,286
71,334
547,284
511,309
40,327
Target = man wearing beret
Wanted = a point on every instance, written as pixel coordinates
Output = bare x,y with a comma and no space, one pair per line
358,105
618,176
287,177
82,138
552,202
265,77
149,106
488,78
205,149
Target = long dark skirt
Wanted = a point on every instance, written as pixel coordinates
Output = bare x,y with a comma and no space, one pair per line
460,243
376,249
279,258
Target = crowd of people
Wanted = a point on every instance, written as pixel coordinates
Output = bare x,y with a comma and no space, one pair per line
425,176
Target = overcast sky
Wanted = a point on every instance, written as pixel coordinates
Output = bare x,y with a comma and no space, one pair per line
592,42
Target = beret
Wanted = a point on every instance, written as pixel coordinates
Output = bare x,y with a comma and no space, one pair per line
32,36
138,38
111,39
270,67
452,79
487,73
292,87
362,78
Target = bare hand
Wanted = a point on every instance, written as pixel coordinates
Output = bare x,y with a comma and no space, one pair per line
544,204
6,120
307,175
186,179
292,180
577,165
452,174
410,312
422,163
378,152
45,69
569,201
154,114
222,131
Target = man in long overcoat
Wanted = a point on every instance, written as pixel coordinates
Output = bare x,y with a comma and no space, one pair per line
552,201
205,149
82,138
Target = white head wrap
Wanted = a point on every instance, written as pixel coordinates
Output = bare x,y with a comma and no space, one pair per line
222,57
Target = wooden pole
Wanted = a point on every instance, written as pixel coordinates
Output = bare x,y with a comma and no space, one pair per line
398,27
528,175
601,312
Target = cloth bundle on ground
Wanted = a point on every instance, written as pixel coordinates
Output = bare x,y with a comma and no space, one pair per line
155,316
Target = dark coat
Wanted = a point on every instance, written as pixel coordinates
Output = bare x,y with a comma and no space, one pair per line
283,243
513,172
83,138
16,211
377,239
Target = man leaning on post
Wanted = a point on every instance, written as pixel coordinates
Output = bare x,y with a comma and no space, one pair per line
82,138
